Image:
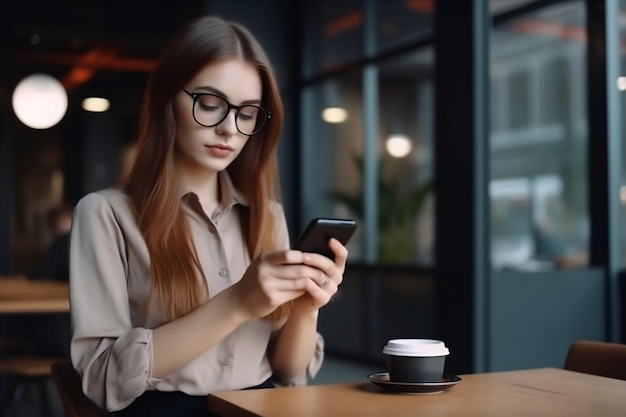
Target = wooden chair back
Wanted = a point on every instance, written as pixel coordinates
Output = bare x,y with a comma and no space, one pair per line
68,384
24,370
597,358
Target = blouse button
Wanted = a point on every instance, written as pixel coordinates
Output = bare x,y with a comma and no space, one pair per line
226,361
211,228
223,272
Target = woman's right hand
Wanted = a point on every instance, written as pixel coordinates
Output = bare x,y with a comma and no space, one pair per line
271,280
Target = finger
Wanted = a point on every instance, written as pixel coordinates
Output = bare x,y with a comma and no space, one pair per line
322,294
283,257
325,268
295,271
326,281
340,251
322,278
290,277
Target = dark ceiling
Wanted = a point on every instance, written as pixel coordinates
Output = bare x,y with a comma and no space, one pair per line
92,46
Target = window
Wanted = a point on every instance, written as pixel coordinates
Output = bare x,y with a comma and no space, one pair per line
538,190
337,154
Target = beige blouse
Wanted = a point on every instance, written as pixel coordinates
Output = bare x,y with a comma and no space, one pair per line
109,287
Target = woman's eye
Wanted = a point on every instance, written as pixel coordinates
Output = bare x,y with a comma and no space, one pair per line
207,106
248,113
211,103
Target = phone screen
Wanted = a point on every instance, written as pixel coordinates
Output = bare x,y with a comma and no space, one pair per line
319,231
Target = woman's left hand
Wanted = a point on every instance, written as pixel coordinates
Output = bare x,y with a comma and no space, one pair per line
324,284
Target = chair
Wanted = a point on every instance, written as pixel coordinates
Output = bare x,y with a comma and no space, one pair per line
22,370
597,358
75,402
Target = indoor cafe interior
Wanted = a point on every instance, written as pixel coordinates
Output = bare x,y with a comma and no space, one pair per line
480,146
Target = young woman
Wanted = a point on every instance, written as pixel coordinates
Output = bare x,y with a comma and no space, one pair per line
182,281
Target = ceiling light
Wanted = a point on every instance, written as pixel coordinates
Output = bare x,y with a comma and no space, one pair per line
334,115
333,102
39,101
96,104
398,146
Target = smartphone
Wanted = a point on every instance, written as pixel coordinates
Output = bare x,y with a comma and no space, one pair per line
319,231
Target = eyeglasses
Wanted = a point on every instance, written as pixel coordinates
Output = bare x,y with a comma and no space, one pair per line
210,110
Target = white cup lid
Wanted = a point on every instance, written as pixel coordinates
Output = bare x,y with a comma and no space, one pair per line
415,347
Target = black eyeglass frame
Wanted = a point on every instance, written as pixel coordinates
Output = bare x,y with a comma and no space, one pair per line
196,96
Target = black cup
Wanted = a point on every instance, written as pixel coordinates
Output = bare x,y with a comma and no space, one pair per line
415,360
415,368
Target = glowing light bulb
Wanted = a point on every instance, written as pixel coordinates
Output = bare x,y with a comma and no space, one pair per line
39,101
334,115
398,145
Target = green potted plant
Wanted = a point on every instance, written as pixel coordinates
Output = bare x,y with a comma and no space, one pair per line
395,212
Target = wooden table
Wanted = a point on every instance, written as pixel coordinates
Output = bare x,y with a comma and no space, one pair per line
19,296
23,296
541,392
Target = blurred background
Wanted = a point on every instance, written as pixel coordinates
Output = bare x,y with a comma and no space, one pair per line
478,144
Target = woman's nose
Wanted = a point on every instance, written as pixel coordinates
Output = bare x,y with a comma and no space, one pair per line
228,126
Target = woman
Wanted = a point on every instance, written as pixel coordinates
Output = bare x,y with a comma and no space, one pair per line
182,281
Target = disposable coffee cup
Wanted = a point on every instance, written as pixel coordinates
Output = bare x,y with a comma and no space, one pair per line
415,360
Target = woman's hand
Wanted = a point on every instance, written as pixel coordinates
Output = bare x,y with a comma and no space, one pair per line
275,278
295,344
272,279
325,281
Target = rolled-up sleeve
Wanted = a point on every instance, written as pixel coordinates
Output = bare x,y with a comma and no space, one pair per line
317,360
113,358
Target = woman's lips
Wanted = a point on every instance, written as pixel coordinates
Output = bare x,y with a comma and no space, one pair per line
219,151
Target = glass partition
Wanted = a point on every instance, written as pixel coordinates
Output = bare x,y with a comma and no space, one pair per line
538,143
371,163
332,35
332,132
402,21
405,152
334,159
621,85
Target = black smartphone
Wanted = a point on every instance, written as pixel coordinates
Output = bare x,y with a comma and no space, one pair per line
319,231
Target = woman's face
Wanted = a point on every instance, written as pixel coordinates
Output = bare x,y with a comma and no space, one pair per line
214,148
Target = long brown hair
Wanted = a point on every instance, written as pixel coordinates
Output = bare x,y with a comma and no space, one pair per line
152,182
